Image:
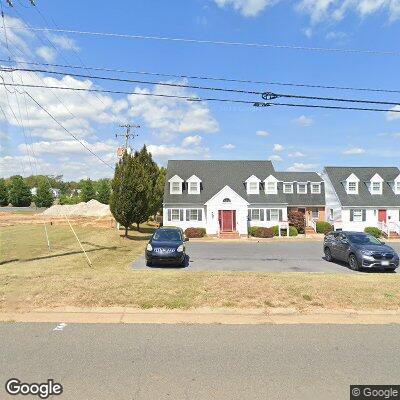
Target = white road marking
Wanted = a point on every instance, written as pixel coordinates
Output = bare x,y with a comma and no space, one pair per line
60,327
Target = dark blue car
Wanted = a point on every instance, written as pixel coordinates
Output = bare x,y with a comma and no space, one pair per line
166,247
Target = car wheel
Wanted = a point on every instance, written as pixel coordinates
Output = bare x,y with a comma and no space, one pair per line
353,262
149,263
328,254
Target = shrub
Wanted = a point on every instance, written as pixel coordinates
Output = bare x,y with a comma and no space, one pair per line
69,200
324,227
195,232
292,231
296,218
376,232
259,231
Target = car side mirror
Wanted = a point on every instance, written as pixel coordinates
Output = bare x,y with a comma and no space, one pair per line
186,239
382,242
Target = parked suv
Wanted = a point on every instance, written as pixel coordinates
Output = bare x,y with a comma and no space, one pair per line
360,250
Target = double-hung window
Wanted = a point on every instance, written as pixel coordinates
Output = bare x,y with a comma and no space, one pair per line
253,187
302,188
288,188
274,214
315,188
376,187
175,214
271,188
175,187
194,214
255,214
193,187
397,187
357,215
352,187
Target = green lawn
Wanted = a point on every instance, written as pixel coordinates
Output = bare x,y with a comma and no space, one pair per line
31,277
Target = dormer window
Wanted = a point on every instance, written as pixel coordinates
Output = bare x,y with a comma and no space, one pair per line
375,185
194,185
271,185
396,186
287,187
316,188
175,185
352,184
253,185
302,188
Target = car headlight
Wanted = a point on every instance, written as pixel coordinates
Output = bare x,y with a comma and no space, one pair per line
149,247
366,252
180,249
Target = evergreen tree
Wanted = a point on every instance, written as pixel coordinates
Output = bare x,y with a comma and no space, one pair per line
87,190
103,191
3,193
132,188
19,194
44,196
158,192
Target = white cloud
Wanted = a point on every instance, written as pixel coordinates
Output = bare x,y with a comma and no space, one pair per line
20,164
354,151
64,147
164,151
248,8
169,117
191,140
308,32
297,154
391,116
47,53
228,146
301,167
278,148
336,10
64,42
275,157
262,133
303,121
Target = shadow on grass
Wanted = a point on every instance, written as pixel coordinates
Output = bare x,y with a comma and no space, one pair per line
143,229
49,256
136,238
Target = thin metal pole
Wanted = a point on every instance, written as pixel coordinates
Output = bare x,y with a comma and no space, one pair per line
80,244
47,235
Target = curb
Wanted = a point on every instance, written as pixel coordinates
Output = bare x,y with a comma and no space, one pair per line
204,316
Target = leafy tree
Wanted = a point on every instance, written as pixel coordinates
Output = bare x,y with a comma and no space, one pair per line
158,192
3,193
297,219
19,194
44,196
132,188
87,190
103,191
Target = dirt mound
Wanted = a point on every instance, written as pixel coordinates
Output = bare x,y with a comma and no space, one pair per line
92,208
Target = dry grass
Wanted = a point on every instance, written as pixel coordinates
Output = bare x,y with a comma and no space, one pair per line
32,278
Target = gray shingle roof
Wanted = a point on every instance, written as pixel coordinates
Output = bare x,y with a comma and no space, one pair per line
338,175
216,174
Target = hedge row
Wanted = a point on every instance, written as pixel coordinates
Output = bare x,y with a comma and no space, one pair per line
259,231
324,227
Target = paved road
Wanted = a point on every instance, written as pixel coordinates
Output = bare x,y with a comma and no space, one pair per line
253,256
201,361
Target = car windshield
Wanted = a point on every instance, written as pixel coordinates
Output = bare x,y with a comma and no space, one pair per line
170,235
363,239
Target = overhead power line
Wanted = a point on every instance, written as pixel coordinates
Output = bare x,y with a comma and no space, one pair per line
200,99
265,95
215,42
202,77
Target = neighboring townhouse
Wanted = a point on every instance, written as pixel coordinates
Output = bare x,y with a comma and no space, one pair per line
358,197
230,196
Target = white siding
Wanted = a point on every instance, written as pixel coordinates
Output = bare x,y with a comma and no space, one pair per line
185,223
331,201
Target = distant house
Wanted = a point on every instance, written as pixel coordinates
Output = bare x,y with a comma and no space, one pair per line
358,197
230,196
55,192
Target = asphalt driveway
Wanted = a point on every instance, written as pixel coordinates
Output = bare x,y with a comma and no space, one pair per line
259,257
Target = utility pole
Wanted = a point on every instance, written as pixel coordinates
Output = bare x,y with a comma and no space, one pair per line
128,135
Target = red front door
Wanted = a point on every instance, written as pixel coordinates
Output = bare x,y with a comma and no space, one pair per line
227,220
382,215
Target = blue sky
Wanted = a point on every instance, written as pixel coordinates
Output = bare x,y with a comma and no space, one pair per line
294,138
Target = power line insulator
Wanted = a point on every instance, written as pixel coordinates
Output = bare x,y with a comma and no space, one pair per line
269,96
9,2
32,2
261,104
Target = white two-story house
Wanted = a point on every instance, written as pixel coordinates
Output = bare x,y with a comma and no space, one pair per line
359,197
229,196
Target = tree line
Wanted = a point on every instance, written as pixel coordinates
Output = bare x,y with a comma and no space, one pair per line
134,194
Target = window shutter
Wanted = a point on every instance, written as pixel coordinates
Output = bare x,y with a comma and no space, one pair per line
249,214
181,214
200,214
262,215
268,215
280,215
187,215
351,215
364,215
169,214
